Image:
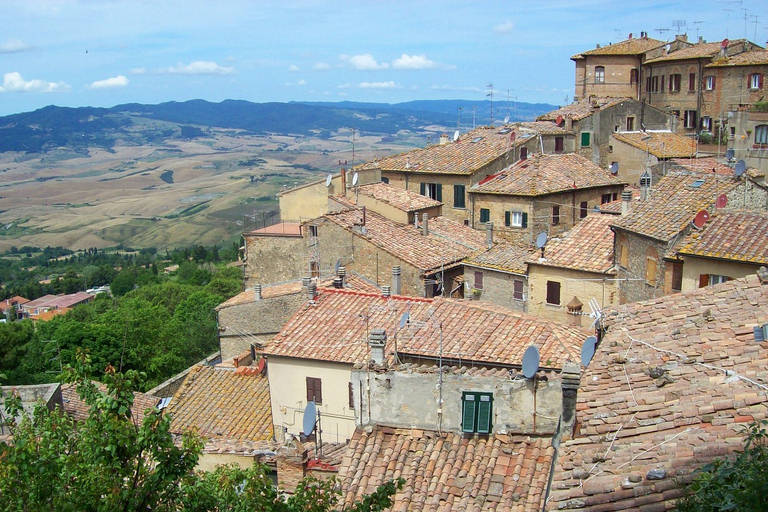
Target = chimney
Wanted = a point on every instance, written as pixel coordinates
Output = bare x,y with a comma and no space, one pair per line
569,123
443,139
396,280
257,291
626,198
645,185
386,291
343,181
425,224
312,291
305,283
489,234
377,340
342,274
338,282
574,309
570,378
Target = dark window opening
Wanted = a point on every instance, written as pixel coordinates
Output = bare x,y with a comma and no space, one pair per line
559,144
555,215
583,209
458,196
517,289
485,215
553,292
314,390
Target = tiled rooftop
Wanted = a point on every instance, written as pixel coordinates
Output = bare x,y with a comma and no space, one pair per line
503,256
673,204
635,46
447,242
583,108
588,246
448,471
225,404
546,174
697,51
662,144
57,301
73,405
730,235
544,126
704,165
753,58
399,198
614,207
279,229
473,150
670,388
335,328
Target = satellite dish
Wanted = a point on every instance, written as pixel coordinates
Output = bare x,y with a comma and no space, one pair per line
701,218
512,137
729,154
404,319
614,168
456,136
741,166
328,180
588,350
355,177
725,42
506,119
541,240
530,361
262,365
559,120
310,414
722,201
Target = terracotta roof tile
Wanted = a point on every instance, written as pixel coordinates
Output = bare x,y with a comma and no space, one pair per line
583,108
503,256
614,207
223,404
73,405
697,51
673,204
661,144
544,126
399,198
753,58
588,246
279,229
448,471
670,387
738,236
635,46
447,242
546,174
703,165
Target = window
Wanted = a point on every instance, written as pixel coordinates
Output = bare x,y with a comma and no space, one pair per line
661,79
605,198
692,82
716,279
458,196
517,289
476,412
674,82
314,390
553,293
523,153
385,180
756,81
478,280
558,144
677,277
650,271
432,190
485,215
630,124
706,123
555,215
599,74
690,119
633,76
655,84
313,231
586,139
583,209
709,83
516,219
761,134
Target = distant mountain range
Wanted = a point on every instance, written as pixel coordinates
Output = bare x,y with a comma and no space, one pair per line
133,123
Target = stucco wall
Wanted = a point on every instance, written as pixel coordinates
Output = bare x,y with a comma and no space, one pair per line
498,287
693,267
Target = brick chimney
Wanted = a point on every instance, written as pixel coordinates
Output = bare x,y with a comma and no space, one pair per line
377,340
397,288
626,199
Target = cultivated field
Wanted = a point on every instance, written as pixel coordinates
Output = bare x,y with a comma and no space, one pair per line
183,192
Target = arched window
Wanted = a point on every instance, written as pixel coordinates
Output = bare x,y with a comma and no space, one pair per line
599,74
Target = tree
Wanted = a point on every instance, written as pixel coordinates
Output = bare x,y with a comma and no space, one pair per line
733,484
111,461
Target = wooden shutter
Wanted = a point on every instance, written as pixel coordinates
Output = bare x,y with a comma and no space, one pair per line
314,390
484,415
351,397
525,220
507,217
468,413
439,192
423,189
703,280
518,289
650,271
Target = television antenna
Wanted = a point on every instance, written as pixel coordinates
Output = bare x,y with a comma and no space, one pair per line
489,94
729,154
679,25
458,122
596,313
697,23
614,168
701,218
355,179
328,180
456,136
541,241
531,362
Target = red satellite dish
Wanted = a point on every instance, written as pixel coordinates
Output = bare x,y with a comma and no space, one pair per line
701,218
512,137
262,365
725,42
559,120
722,201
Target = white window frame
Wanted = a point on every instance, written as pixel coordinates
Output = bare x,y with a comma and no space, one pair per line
754,81
516,219
709,83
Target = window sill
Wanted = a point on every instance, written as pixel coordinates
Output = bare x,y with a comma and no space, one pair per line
460,208
547,304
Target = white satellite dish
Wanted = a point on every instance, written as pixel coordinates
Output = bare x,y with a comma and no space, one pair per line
729,154
741,166
455,135
310,413
541,240
530,361
614,168
588,350
404,319
355,177
506,119
328,180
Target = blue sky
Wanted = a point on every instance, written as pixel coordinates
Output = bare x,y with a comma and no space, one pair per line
106,52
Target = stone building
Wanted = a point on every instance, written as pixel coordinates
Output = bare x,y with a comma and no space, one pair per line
637,152
499,276
545,193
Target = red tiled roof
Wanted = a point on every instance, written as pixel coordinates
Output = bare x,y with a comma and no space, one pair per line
673,204
703,165
448,471
279,229
57,301
753,58
399,198
588,246
670,388
614,207
660,144
729,235
546,174
635,46
223,404
73,405
697,51
544,126
583,108
447,242
503,256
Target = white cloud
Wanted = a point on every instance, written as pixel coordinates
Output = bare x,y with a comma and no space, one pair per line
364,62
378,85
321,66
293,67
300,82
138,71
13,82
110,83
454,88
345,86
412,62
14,46
504,28
199,67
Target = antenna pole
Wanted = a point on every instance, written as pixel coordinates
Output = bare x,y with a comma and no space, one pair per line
490,95
319,434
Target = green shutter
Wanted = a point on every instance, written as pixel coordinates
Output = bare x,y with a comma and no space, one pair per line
525,220
585,139
423,189
458,196
485,214
484,415
439,193
468,414
507,216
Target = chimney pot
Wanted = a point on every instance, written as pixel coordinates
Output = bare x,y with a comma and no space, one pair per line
425,224
396,280
312,291
386,291
338,282
489,234
305,282
257,291
377,341
626,198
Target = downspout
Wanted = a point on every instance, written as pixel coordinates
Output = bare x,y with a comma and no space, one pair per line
698,104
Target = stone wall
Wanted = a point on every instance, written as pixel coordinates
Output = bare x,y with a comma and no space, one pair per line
617,76
274,259
498,287
633,285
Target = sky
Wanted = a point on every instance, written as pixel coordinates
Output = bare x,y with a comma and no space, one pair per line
103,53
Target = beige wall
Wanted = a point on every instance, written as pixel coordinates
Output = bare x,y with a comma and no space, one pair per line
573,283
632,160
210,461
498,287
288,393
693,267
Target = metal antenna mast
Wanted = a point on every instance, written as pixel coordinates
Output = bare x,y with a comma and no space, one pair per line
489,94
